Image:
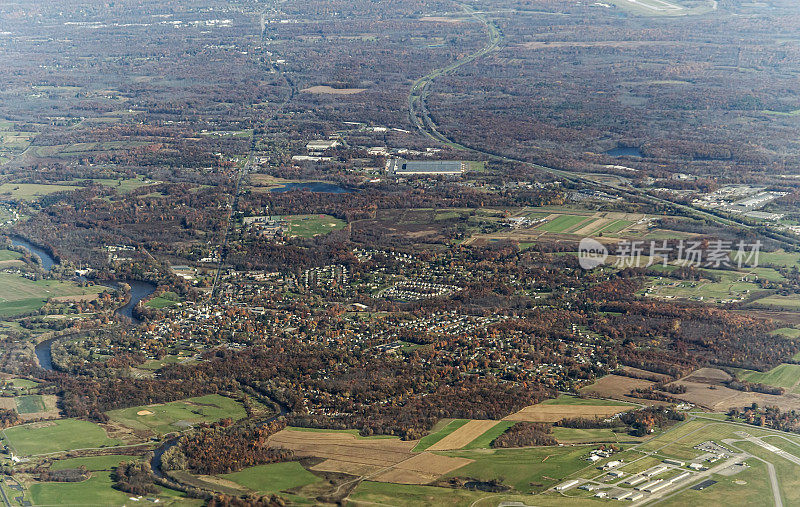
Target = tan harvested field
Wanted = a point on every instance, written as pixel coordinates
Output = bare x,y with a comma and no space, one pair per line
463,435
704,388
332,91
708,376
592,226
8,403
637,371
383,459
618,387
554,413
421,469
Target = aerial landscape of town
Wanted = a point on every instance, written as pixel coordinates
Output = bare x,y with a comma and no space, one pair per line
505,253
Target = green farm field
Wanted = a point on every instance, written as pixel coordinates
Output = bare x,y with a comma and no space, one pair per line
55,436
783,375
178,414
562,223
20,295
274,477
31,191
30,404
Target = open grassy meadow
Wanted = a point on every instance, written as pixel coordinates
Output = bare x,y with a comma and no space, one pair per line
98,489
30,191
380,493
94,463
55,436
274,477
527,470
8,255
178,415
783,375
20,295
307,226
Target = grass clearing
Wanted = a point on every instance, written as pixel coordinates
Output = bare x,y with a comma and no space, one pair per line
98,489
56,436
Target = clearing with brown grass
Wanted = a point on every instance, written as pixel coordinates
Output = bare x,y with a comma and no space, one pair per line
618,387
554,413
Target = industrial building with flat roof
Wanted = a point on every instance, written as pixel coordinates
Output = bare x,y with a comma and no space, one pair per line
400,167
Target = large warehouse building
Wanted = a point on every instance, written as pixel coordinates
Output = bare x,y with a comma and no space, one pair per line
400,167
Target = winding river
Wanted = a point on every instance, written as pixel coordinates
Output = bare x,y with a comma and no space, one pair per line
139,291
47,260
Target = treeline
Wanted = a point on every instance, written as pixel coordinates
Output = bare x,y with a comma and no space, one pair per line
9,417
643,422
135,478
223,448
525,434
67,475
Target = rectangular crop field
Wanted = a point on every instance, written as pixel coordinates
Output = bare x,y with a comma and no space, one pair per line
435,436
561,223
31,404
463,435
